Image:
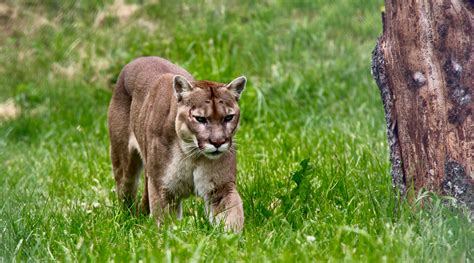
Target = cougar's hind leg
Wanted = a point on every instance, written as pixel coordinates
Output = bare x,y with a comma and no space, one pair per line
145,205
127,166
126,161
131,178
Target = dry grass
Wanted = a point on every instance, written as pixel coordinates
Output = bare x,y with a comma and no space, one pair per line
9,110
119,9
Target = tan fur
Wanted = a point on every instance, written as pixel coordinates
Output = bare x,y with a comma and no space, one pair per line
155,121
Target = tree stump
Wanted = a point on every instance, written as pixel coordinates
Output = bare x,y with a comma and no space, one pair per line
423,65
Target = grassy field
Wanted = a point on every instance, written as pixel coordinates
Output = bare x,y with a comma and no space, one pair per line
313,158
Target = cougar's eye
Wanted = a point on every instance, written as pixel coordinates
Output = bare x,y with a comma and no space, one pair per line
228,118
200,119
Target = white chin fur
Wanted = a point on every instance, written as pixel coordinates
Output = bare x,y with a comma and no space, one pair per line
213,156
209,149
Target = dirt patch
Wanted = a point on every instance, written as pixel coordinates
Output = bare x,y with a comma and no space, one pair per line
16,20
7,14
119,9
69,71
9,110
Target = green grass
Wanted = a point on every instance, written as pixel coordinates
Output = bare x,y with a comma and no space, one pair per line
313,157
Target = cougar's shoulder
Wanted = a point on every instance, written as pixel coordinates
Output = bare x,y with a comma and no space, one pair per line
143,73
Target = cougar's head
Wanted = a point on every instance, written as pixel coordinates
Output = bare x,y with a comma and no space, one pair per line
208,115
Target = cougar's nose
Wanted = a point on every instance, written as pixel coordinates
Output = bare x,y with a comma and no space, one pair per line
217,142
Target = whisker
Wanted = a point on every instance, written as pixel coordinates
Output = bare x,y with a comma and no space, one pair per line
191,152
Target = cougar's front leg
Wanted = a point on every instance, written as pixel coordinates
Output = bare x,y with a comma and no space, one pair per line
156,197
162,199
162,203
226,207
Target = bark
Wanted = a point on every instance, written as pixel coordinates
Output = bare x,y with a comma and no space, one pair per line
424,66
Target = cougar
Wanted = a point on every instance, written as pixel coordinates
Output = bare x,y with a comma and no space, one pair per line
181,131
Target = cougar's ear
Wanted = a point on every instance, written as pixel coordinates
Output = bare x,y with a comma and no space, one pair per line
237,85
180,86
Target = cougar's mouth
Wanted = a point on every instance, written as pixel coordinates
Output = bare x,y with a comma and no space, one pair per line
211,152
214,154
